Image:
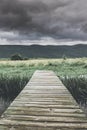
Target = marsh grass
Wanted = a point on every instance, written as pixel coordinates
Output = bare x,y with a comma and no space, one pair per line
78,88
10,87
3,105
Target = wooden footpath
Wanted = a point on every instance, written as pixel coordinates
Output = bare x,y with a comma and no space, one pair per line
44,104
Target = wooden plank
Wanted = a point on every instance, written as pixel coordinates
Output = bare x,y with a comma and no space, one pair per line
41,113
7,122
47,119
44,104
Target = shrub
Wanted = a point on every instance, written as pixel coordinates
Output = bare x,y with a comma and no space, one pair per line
64,57
16,57
25,58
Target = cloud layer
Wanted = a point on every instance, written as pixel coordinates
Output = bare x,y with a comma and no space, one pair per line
60,19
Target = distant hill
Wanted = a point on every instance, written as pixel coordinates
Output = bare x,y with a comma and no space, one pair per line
38,51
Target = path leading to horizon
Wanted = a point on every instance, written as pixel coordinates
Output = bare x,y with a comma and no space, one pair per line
44,104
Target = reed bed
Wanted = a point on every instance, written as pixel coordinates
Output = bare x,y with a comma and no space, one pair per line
10,87
78,88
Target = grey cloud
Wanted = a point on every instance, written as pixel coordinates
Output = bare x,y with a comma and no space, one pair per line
57,18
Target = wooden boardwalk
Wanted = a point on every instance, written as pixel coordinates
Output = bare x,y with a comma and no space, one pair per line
44,104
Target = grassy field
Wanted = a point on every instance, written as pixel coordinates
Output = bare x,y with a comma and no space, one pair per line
68,67
15,74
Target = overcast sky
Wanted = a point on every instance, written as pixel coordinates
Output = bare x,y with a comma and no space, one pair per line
54,22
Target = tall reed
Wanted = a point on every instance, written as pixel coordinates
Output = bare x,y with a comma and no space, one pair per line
78,88
10,87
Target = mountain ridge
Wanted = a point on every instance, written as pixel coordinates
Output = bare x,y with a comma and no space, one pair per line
41,51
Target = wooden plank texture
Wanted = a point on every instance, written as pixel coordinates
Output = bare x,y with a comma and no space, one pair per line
44,104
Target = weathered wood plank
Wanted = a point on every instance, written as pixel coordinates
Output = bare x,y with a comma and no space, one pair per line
44,104
7,122
35,113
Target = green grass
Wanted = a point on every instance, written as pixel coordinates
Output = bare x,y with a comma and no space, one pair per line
10,87
61,67
15,74
3,105
78,88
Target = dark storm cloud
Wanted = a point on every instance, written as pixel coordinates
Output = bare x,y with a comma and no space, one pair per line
63,19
